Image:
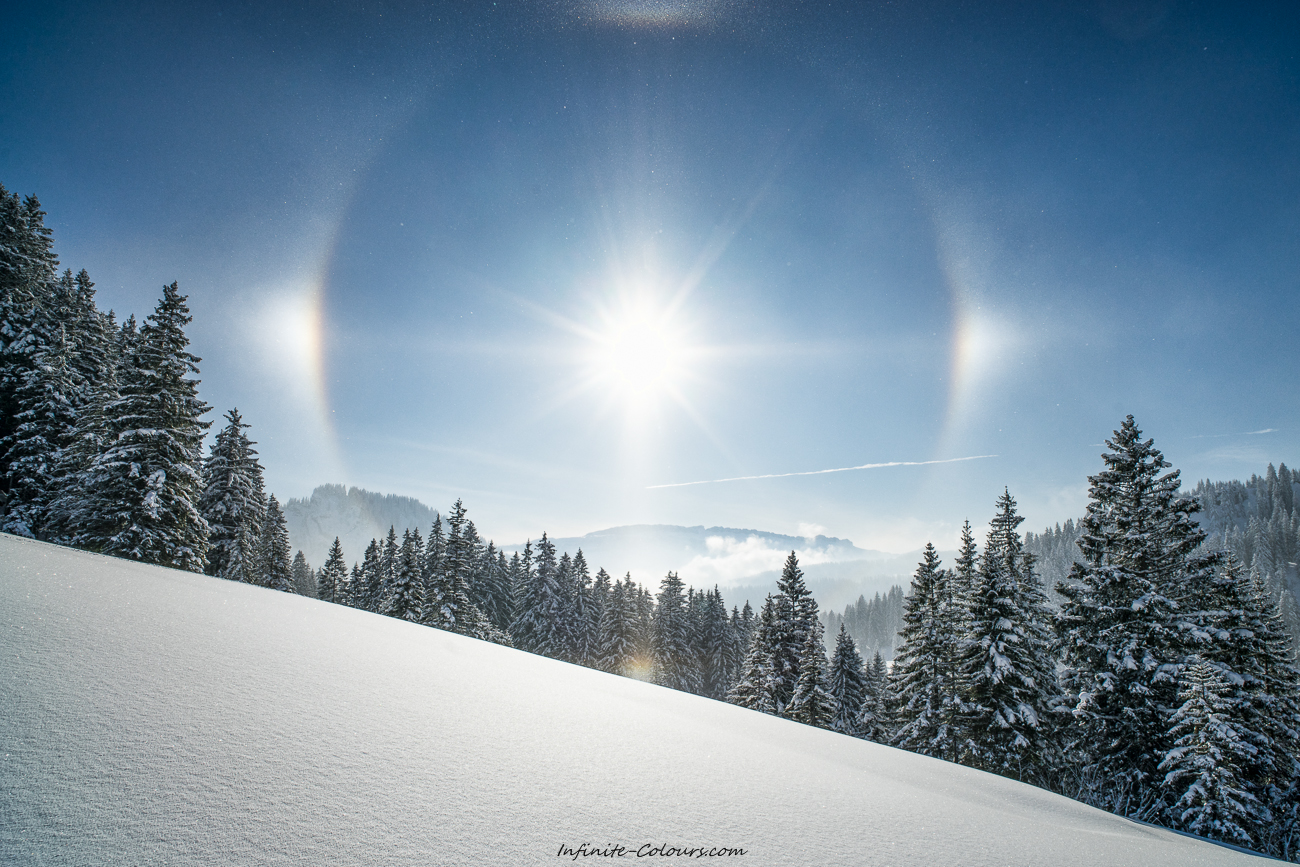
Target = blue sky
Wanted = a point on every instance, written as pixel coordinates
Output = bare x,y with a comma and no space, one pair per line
549,256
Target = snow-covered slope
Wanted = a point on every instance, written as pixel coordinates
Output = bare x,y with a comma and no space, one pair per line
156,717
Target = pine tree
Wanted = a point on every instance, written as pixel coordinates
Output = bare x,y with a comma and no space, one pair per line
368,587
922,675
1006,668
277,570
389,552
28,272
584,620
716,652
875,722
304,579
331,581
45,426
1122,632
231,502
755,688
618,630
811,703
674,663
140,496
541,615
1203,768
405,599
795,616
848,686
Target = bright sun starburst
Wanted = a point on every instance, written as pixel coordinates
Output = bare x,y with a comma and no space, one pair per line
638,354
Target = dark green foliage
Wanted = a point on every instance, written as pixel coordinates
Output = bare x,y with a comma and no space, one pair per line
923,680
754,687
811,703
405,599
232,504
304,579
674,660
1006,670
332,579
140,496
1122,630
276,568
1204,767
848,686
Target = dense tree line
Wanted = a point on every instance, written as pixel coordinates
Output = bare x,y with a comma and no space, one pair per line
873,624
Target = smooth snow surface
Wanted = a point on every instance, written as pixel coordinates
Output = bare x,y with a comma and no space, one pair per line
149,716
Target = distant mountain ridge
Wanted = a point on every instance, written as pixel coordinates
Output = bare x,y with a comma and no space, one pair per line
354,515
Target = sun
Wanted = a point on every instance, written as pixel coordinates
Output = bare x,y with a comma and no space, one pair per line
638,354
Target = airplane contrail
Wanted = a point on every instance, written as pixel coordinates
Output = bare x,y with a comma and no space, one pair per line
822,472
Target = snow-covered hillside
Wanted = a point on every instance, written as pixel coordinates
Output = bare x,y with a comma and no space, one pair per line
159,717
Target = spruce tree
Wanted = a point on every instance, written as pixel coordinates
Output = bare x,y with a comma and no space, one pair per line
811,703
28,272
848,686
405,599
44,426
795,615
389,552
541,614
140,497
1006,668
277,569
1122,632
368,588
1203,769
755,688
304,579
875,723
618,630
674,662
331,581
231,502
922,676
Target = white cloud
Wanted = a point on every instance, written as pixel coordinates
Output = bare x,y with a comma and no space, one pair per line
729,561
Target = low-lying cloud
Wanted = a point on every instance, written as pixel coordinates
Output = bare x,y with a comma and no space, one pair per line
729,561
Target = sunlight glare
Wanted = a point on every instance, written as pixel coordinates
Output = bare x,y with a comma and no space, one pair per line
638,354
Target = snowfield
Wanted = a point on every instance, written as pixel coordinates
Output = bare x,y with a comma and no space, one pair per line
149,716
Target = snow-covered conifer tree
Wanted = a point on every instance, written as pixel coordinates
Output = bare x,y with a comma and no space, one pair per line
754,688
277,568
1122,631
231,502
539,625
1203,768
584,620
331,581
140,497
368,590
848,682
811,703
405,599
674,662
795,613
618,630
304,579
44,426
1006,669
922,676
875,723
